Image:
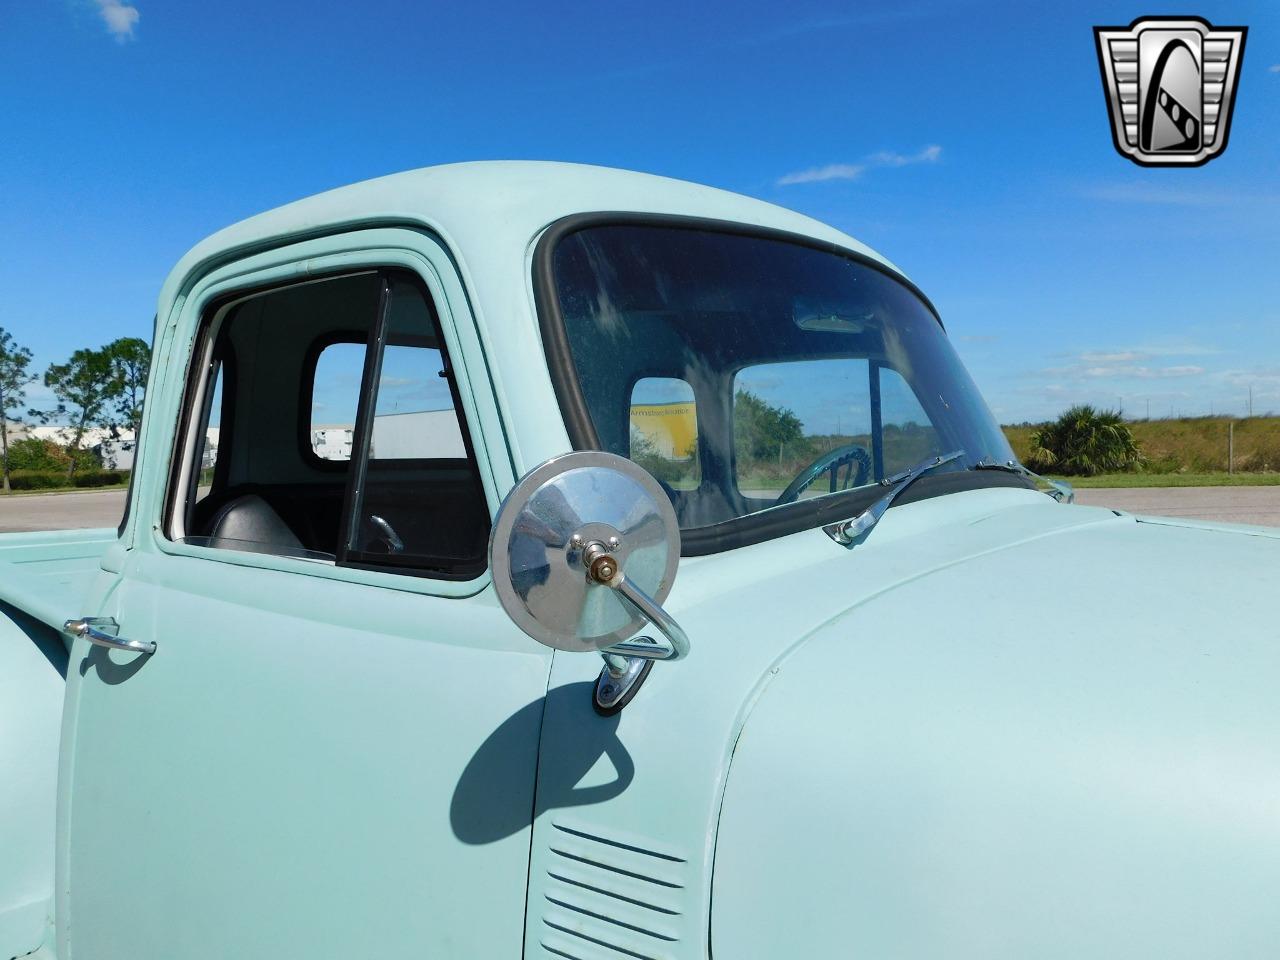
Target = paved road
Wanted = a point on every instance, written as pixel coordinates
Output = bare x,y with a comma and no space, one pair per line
1226,504
1259,505
61,511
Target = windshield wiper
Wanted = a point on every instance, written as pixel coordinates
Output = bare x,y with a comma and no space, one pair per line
847,532
1060,490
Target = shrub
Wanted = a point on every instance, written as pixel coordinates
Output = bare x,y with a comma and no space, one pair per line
1085,442
57,480
101,478
35,454
672,472
36,480
48,456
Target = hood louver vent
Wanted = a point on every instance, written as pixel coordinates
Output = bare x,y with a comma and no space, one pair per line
608,898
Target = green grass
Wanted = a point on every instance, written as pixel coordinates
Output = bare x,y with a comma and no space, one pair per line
1188,452
1218,479
1191,445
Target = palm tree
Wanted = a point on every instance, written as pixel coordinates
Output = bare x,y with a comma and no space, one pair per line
1085,442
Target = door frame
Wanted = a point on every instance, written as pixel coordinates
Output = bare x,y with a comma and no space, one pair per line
411,248
396,247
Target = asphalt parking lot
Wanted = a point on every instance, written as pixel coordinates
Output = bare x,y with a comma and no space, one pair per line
1257,505
61,511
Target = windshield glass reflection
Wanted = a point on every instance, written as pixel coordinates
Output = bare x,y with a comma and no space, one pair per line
747,373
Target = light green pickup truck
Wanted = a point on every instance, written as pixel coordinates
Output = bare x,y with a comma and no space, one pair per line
900,703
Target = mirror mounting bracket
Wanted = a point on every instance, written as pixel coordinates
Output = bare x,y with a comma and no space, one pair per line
627,664
617,686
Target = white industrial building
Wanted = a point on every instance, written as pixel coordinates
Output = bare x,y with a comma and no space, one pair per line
332,441
422,435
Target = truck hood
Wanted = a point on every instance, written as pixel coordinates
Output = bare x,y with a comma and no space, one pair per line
998,556
999,726
1032,730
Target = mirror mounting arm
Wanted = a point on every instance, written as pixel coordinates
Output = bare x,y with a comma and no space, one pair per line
605,569
654,613
627,664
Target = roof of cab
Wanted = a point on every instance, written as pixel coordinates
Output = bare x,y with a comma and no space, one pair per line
501,205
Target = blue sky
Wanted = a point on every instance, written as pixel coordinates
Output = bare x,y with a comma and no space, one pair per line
968,142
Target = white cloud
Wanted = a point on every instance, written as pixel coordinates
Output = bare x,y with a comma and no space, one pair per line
1274,68
1133,363
1185,349
1120,356
832,171
852,171
885,158
119,17
1110,355
1135,372
1246,378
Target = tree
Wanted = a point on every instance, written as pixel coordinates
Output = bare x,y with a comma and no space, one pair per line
1085,442
14,378
669,470
131,358
87,387
759,428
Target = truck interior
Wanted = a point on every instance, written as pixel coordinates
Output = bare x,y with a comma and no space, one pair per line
322,421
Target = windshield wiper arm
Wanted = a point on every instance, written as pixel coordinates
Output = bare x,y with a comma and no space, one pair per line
847,532
1060,490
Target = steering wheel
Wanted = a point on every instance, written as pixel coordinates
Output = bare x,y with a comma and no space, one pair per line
839,461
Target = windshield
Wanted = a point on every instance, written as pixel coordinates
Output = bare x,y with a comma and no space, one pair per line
753,376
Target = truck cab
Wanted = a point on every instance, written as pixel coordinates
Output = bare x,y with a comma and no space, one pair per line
292,707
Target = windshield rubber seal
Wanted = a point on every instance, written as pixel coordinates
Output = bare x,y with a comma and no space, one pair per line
754,527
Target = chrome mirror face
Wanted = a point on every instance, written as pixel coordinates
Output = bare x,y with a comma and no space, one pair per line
562,539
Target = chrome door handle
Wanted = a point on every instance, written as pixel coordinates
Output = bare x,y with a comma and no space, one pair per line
101,632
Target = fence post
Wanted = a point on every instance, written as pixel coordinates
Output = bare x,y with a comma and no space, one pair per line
1231,446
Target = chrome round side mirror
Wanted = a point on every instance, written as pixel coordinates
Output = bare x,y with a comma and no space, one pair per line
584,551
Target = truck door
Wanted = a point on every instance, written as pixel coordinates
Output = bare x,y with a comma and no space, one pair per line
284,775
